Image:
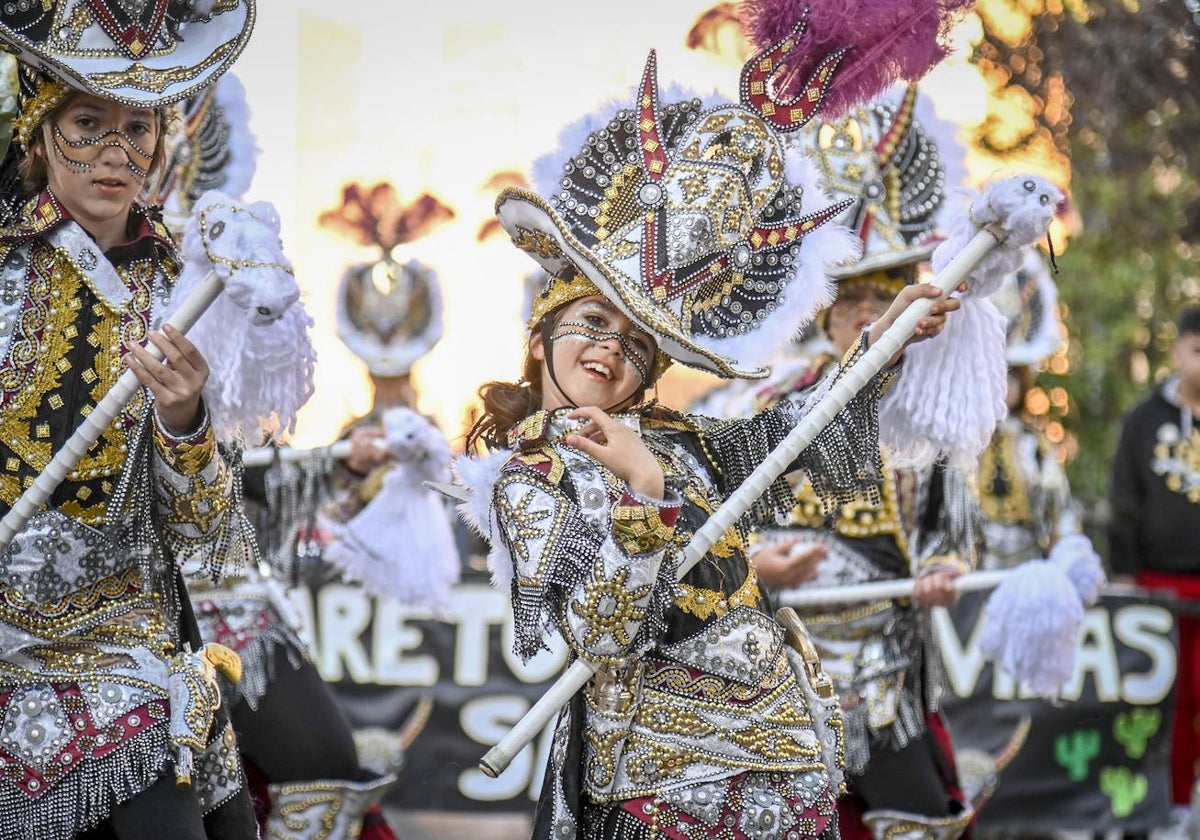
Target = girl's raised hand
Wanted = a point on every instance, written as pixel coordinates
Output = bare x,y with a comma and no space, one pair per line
619,448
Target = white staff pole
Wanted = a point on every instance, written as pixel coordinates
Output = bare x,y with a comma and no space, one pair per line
853,380
102,415
265,455
886,589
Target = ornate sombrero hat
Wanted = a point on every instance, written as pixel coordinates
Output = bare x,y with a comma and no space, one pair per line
691,219
139,52
881,159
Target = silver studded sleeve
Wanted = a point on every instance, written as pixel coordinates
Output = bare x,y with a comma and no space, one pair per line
596,575
195,485
842,462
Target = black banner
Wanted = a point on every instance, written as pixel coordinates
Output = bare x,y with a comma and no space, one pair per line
382,658
1096,759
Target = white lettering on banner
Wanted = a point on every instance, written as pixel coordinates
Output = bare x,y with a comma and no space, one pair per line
343,613
391,637
486,720
476,609
1142,627
1145,628
342,616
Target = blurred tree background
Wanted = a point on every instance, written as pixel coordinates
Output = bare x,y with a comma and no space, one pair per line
1111,90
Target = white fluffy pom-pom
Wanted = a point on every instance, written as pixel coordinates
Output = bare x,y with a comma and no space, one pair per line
951,392
1034,615
400,545
255,336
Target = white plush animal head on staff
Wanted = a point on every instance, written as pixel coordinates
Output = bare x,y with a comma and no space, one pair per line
241,241
255,336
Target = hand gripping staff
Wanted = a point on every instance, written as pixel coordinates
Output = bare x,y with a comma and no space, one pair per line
237,244
1011,214
229,246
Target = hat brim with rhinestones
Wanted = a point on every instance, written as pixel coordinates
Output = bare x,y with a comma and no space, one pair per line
145,55
689,219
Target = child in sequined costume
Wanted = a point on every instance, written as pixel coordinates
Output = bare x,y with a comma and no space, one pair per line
92,604
695,724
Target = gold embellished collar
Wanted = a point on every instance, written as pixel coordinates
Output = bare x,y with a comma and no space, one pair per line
44,212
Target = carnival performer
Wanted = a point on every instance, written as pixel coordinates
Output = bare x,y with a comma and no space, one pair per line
695,724
1023,492
921,524
94,620
295,740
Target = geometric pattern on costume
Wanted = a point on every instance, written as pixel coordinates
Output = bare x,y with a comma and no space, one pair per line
243,614
87,589
686,698
878,653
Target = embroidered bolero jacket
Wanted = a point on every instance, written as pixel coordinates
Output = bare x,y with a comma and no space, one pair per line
88,588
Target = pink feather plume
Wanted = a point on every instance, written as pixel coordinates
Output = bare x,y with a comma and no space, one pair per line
889,40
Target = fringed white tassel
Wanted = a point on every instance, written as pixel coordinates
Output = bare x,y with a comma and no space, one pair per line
479,475
401,544
255,337
951,393
1033,617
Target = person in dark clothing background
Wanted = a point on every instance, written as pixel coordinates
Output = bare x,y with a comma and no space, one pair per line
1154,533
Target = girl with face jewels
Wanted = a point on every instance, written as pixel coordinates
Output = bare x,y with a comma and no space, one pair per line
694,724
92,607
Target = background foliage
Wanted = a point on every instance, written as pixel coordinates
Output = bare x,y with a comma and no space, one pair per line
1112,89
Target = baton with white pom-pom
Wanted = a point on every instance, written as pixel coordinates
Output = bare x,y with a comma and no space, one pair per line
853,380
202,296
1033,616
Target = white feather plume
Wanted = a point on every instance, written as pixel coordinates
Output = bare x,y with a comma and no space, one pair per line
479,476
951,392
255,337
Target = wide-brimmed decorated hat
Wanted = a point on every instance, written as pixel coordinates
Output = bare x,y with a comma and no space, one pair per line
1028,300
882,159
139,52
693,218
389,313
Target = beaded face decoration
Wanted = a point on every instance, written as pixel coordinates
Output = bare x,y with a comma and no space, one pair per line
684,216
81,153
882,160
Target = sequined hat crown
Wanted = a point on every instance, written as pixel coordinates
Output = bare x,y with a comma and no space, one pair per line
139,52
685,217
1028,300
882,159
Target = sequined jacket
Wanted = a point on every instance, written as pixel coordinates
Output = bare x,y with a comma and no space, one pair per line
89,595
1024,495
694,684
880,654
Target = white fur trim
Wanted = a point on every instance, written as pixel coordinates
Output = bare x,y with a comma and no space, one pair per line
479,476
